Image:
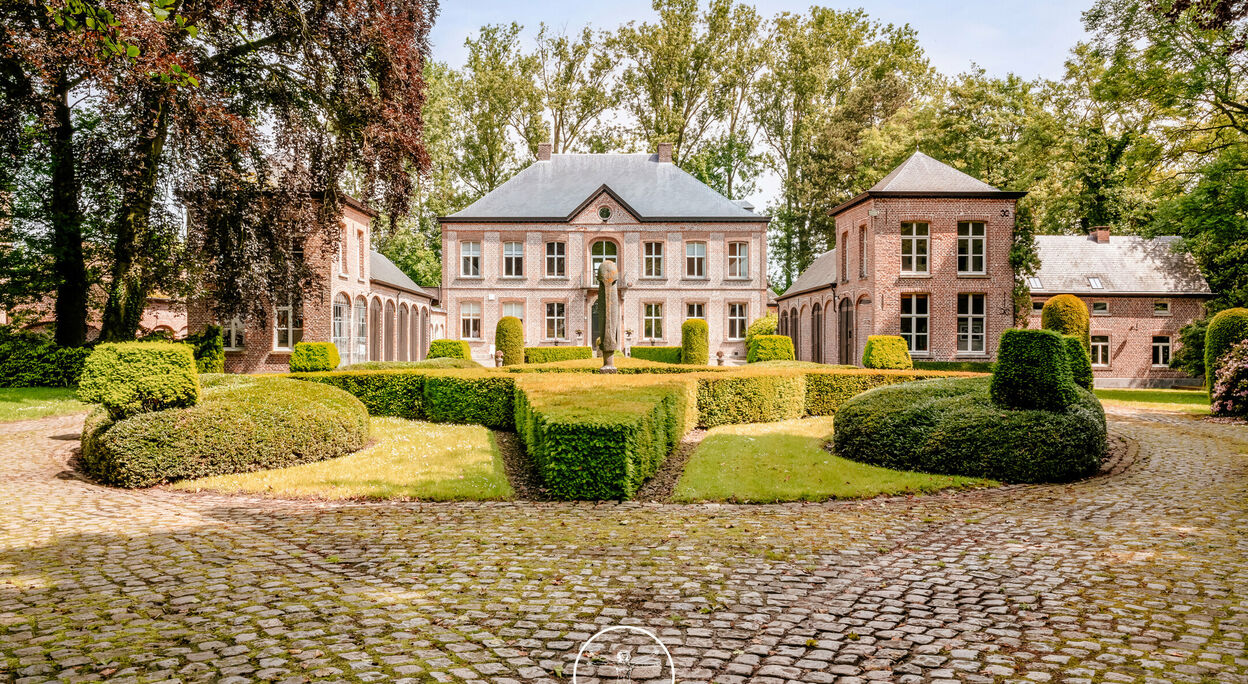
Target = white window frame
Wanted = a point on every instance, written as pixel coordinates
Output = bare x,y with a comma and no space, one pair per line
652,259
1037,307
233,335
1100,349
701,315
910,248
1164,348
1164,309
967,337
914,336
695,255
470,312
556,263
738,315
470,259
739,260
556,315
292,331
972,245
652,321
1104,308
360,340
507,305
340,326
595,260
513,259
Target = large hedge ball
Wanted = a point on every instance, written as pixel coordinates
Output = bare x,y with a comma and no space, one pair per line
1067,315
1032,371
509,339
133,377
1080,361
887,351
1228,328
694,347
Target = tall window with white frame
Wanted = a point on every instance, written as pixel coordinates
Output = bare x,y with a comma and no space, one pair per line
915,240
739,260
556,259
652,323
470,259
736,320
514,309
1161,351
971,323
600,251
1100,351
470,320
361,331
556,321
695,259
340,333
695,310
288,326
232,334
914,322
971,248
513,259
652,260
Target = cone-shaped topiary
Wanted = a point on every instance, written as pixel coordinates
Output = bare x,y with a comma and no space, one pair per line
1228,328
509,339
1032,371
887,351
694,348
1067,315
1079,360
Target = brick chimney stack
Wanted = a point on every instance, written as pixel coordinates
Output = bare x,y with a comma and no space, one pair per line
1100,234
665,153
543,151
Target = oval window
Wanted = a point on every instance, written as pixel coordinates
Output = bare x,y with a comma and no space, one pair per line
604,212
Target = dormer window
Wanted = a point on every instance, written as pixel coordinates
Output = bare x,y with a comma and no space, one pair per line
604,212
1034,283
1095,283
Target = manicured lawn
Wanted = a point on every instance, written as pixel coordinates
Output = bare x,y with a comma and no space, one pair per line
27,403
786,461
1195,401
409,460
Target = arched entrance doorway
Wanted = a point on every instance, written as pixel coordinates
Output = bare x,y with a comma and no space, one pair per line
845,332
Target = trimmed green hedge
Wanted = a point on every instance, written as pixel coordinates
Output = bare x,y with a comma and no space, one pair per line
30,359
767,325
209,348
473,398
770,348
1066,314
1226,329
509,339
401,365
694,345
268,423
887,351
729,398
551,354
314,357
1032,371
398,393
956,366
660,354
449,349
133,377
951,426
1080,361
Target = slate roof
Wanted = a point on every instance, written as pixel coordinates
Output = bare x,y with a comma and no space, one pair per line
557,189
1127,264
383,271
924,176
820,273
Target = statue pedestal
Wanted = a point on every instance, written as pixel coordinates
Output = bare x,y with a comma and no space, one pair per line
608,363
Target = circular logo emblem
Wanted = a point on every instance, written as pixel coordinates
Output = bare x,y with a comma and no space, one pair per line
624,653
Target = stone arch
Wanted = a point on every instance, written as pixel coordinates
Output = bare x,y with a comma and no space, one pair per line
845,332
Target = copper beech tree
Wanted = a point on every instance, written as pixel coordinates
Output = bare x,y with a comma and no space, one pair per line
115,116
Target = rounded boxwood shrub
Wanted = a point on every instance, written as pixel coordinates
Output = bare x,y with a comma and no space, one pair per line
509,339
209,346
694,347
1228,328
132,377
767,325
951,426
449,349
770,348
1230,384
313,357
268,423
1067,315
887,351
1032,371
1080,361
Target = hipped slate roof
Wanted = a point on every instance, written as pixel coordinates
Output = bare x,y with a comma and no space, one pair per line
1127,264
383,271
923,176
821,273
558,189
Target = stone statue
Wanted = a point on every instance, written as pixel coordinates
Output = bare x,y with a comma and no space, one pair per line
609,311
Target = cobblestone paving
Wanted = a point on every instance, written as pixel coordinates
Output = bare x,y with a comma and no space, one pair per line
1141,576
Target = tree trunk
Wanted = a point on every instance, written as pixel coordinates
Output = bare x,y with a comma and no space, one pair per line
128,289
66,217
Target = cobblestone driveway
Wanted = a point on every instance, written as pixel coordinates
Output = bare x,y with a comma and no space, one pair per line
1141,576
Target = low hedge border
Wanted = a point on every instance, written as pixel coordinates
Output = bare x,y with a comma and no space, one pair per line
472,397
659,354
550,354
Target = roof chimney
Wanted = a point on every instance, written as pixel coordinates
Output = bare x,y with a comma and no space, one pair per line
1100,234
543,151
665,153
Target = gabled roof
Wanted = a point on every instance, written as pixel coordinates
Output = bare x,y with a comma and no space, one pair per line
382,270
555,190
923,176
821,273
1127,264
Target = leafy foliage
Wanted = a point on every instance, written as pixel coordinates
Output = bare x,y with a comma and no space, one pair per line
1226,329
694,348
552,354
30,359
1080,361
659,354
398,365
449,349
509,339
1230,382
750,398
767,325
1033,372
127,378
770,348
309,357
886,351
1066,314
209,346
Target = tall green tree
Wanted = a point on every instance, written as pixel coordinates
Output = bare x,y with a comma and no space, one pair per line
576,87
